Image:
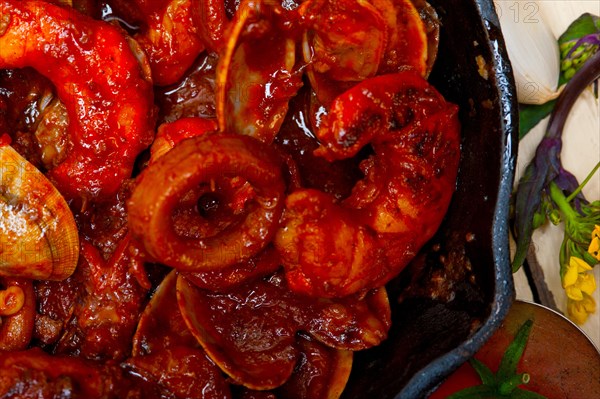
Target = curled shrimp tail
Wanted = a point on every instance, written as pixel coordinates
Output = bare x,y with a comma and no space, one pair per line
332,248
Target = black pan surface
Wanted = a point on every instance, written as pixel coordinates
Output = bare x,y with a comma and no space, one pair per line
455,294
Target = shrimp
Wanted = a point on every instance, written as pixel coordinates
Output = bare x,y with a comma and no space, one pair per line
107,96
333,249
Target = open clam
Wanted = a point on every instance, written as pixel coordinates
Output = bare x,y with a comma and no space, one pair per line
321,372
251,332
254,87
161,325
38,235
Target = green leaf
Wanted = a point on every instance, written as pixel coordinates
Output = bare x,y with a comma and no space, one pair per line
486,375
512,356
584,25
507,387
503,384
530,115
527,200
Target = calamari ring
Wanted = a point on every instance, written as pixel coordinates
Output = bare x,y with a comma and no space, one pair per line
109,103
16,330
212,160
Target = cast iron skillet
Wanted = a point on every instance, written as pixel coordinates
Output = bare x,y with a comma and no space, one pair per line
455,294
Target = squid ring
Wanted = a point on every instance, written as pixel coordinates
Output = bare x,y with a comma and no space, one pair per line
210,160
16,328
108,101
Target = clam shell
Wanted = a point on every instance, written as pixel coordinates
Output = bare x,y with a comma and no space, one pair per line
248,85
256,351
38,234
320,373
161,325
251,331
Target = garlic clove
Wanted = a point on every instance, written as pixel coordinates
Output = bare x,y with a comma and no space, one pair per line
559,17
38,235
532,49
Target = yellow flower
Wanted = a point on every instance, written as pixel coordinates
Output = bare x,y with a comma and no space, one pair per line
596,232
577,281
594,248
578,311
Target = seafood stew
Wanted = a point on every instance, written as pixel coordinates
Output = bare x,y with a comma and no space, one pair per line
235,200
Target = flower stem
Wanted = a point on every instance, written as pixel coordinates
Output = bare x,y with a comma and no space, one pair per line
561,202
578,190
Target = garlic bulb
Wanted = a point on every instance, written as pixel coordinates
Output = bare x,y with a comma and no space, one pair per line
532,49
560,16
